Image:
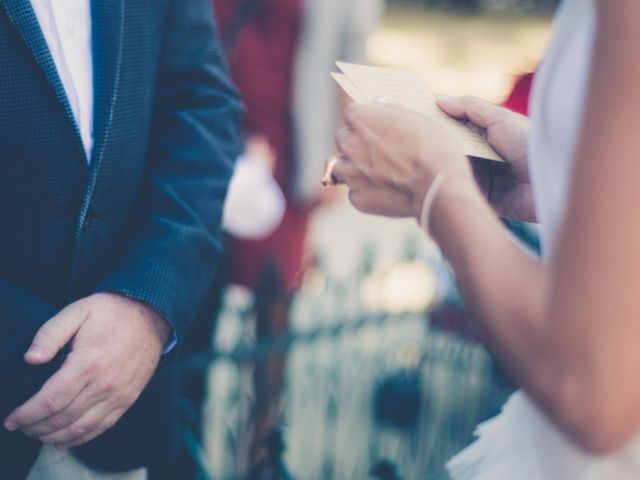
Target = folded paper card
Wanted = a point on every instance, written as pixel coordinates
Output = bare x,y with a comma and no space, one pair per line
365,84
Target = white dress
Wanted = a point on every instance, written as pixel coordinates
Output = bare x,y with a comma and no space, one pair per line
521,443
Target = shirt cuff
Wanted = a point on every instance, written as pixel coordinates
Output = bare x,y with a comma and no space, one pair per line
173,338
173,341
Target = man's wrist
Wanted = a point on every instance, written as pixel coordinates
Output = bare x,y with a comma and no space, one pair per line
160,325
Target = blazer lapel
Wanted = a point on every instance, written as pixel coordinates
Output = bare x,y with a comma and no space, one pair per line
108,26
107,19
24,19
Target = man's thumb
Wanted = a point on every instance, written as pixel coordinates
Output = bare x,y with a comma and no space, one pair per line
54,335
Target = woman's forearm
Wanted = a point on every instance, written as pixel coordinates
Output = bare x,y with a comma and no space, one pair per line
501,282
508,290
565,367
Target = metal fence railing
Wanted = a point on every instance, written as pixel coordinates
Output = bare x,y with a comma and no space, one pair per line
362,396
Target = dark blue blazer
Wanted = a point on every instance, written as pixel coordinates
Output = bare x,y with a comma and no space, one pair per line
142,220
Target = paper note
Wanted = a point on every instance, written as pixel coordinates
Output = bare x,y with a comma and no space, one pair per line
349,88
365,84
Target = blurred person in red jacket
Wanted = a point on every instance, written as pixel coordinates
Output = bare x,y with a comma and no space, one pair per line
261,39
280,54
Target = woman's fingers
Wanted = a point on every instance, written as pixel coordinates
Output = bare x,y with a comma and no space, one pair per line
340,171
453,106
342,138
380,202
482,113
388,154
381,119
379,142
354,155
354,115
377,117
356,146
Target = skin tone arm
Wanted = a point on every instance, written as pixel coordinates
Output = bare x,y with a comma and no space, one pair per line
568,331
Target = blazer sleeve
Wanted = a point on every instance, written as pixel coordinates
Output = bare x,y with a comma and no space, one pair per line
174,245
23,313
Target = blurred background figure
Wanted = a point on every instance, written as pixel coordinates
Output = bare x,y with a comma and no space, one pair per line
281,53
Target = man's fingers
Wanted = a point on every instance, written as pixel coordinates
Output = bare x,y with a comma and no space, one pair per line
54,335
67,416
109,421
56,394
82,427
482,113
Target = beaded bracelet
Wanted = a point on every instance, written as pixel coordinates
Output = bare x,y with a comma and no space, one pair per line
428,201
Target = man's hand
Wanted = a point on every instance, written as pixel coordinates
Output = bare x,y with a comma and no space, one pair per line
116,344
505,185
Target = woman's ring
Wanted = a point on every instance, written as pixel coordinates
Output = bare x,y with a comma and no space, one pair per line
329,180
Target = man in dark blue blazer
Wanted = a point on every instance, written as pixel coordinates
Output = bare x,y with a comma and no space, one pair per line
109,221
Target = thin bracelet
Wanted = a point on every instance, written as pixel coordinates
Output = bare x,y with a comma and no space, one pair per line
428,201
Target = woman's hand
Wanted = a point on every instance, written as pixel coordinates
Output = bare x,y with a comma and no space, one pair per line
390,157
506,186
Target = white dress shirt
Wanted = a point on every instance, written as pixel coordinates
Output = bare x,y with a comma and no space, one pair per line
255,204
66,25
